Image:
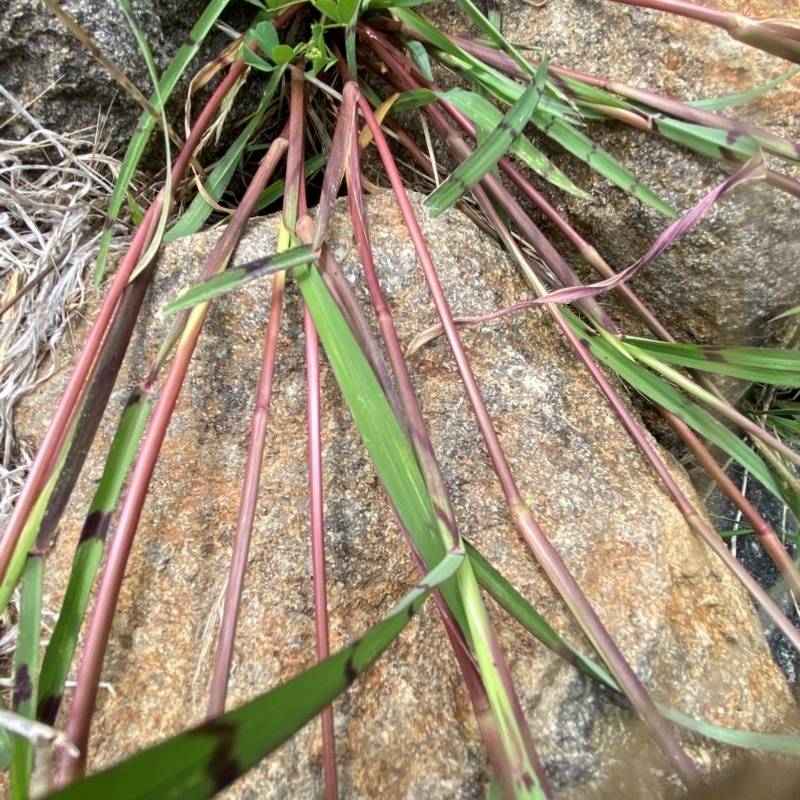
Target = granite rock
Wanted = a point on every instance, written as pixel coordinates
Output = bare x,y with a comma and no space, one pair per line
724,281
405,730
46,68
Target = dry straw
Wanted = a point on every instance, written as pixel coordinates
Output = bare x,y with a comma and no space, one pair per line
53,189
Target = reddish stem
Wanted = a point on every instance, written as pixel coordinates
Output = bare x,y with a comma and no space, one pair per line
315,483
700,13
533,534
82,708
247,506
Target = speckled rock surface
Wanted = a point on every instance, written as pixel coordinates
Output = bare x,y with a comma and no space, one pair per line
406,729
45,67
725,280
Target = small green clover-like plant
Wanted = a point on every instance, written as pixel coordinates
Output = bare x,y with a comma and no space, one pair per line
264,35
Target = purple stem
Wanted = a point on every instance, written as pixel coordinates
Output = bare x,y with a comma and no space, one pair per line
247,506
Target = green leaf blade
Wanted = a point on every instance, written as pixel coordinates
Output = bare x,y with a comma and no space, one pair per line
489,152
765,365
232,279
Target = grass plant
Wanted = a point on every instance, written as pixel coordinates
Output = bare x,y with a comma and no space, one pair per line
329,89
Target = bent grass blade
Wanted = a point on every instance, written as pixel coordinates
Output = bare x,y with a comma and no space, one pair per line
751,171
378,428
200,762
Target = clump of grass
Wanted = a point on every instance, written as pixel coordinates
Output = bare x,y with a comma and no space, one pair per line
488,125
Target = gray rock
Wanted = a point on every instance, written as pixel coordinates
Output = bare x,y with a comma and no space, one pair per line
405,730
724,281
44,66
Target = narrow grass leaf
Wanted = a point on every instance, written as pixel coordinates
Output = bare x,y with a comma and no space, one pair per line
560,127
375,4
762,364
587,151
216,184
489,152
484,114
713,142
522,611
789,313
236,278
31,530
731,100
420,56
400,472
412,99
26,665
146,123
200,762
60,650
365,137
5,742
491,27
666,395
435,37
752,740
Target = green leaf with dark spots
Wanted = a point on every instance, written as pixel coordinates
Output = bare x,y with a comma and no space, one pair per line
60,650
484,114
200,762
237,277
26,664
489,152
586,150
666,395
762,364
